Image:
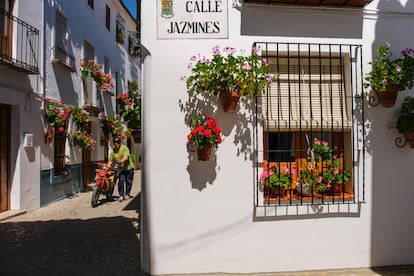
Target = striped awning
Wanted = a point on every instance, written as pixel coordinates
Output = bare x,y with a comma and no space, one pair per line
308,94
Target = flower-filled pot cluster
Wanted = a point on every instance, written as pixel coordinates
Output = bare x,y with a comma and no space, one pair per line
229,75
205,135
110,126
276,180
324,173
80,135
129,106
91,68
58,114
390,75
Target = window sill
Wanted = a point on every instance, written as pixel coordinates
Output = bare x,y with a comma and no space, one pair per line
307,211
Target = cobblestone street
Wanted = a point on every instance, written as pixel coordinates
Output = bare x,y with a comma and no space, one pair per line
69,237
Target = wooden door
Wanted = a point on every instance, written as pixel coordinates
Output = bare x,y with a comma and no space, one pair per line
86,163
4,158
6,25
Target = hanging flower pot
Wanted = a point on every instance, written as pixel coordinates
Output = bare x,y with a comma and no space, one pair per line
205,134
48,140
388,97
409,136
204,153
85,73
229,101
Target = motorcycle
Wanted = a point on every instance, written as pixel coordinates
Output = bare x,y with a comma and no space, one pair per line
105,179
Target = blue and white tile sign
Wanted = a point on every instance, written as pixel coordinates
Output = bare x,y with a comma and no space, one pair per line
192,19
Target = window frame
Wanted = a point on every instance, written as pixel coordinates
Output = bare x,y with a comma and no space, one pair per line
355,143
91,4
108,18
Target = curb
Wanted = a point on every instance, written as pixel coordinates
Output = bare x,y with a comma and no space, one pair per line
11,213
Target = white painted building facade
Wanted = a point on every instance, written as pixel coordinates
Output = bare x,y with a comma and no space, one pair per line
201,217
55,43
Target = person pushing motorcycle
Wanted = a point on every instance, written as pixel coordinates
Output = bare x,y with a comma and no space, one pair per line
125,170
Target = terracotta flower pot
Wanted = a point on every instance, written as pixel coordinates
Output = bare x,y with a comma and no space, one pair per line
229,101
204,153
48,140
409,136
388,97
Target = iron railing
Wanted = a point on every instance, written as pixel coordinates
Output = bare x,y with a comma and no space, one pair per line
19,43
316,94
64,57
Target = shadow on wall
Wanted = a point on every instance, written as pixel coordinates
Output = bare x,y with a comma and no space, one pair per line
392,241
267,21
205,172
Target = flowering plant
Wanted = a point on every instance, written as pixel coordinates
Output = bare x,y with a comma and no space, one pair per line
204,132
57,114
388,72
405,121
228,72
80,117
308,174
330,170
112,126
275,176
90,65
83,140
103,81
50,133
129,105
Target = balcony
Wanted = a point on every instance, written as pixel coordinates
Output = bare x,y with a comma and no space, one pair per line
92,96
19,44
62,57
314,3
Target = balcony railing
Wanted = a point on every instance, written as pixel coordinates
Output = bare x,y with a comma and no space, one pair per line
19,44
63,57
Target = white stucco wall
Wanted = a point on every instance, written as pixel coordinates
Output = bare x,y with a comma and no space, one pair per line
200,216
18,90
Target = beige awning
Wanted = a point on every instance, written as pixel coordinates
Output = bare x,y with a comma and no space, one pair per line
309,93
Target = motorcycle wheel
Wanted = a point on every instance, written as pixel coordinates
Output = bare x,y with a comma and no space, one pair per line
95,196
110,191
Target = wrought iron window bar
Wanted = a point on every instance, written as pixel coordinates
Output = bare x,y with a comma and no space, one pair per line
64,57
19,43
315,69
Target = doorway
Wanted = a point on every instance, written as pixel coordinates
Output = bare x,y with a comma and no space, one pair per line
4,158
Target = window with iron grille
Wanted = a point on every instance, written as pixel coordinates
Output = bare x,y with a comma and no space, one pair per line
89,86
310,117
60,51
90,3
108,18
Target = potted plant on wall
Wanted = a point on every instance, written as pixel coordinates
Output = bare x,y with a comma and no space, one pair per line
229,75
405,121
57,115
389,76
205,135
276,180
129,105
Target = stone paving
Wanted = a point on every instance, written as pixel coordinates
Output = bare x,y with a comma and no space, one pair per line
69,237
